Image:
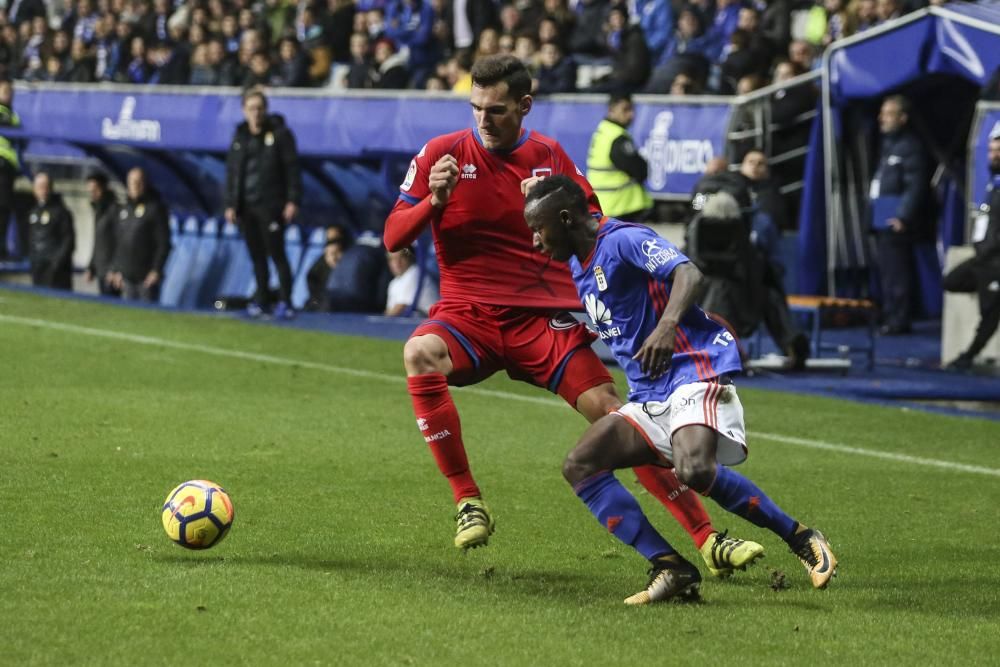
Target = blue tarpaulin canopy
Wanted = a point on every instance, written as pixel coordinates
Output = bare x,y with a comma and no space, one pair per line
939,56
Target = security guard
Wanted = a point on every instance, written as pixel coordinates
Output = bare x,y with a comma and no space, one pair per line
899,196
142,241
615,168
50,237
981,274
263,190
9,165
105,207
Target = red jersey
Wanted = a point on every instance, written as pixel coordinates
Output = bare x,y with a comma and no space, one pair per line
484,248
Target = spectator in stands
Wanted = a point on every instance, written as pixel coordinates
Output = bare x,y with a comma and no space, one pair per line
105,208
727,16
338,26
349,277
686,51
899,210
802,54
406,286
759,43
556,72
105,48
656,18
436,83
410,25
389,71
588,37
549,31
138,69
259,72
466,19
887,10
526,50
225,67
10,166
315,45
863,14
739,60
59,47
685,84
776,23
263,190
631,64
21,11
615,168
51,237
981,274
291,68
358,73
170,63
487,43
839,21
142,241
81,65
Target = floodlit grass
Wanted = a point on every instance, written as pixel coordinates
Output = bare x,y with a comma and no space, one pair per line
341,549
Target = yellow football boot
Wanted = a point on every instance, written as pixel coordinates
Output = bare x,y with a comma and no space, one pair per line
724,554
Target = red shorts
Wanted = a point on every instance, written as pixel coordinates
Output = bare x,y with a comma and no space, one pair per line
532,346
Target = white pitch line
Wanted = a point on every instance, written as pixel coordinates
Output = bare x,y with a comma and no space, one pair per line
399,379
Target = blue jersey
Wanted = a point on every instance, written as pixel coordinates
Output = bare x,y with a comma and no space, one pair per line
625,285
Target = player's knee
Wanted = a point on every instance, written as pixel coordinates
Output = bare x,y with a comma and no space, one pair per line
697,472
422,356
577,467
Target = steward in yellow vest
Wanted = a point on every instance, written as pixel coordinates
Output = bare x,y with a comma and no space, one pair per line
615,168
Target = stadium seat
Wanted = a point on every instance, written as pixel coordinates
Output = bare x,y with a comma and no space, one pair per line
238,270
179,264
201,265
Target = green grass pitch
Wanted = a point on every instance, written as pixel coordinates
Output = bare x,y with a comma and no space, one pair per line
341,549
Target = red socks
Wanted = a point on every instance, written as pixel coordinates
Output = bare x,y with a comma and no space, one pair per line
681,501
440,426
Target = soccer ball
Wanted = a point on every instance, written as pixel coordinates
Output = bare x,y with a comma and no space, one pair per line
197,514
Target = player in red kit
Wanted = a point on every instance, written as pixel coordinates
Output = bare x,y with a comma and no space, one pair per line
503,304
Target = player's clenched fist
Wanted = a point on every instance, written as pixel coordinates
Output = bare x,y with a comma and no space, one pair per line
444,176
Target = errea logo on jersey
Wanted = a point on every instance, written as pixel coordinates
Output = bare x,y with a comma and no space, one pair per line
601,317
657,256
469,171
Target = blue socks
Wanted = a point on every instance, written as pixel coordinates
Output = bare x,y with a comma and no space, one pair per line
740,496
619,512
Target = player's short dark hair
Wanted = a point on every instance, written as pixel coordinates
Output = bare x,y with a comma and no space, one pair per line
492,70
564,191
617,98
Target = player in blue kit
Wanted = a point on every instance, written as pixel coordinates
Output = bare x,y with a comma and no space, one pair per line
640,293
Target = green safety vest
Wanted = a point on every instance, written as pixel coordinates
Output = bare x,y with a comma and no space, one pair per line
7,151
618,192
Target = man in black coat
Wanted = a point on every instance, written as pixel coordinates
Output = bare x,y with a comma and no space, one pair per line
142,241
263,191
899,195
981,274
50,237
105,208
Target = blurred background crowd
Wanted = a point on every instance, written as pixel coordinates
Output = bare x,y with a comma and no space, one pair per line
631,46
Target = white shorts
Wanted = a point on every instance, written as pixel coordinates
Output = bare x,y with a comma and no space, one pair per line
706,403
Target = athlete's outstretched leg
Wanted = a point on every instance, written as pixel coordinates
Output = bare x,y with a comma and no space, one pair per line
694,451
427,366
594,401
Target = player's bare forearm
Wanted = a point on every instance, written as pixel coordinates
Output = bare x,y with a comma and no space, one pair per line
405,223
685,290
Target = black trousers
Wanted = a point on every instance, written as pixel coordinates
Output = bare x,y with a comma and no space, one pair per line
264,233
49,274
5,212
895,265
982,278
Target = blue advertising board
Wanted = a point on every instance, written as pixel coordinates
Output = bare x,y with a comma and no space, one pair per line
677,139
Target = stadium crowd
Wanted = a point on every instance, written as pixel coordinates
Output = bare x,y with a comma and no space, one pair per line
654,46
